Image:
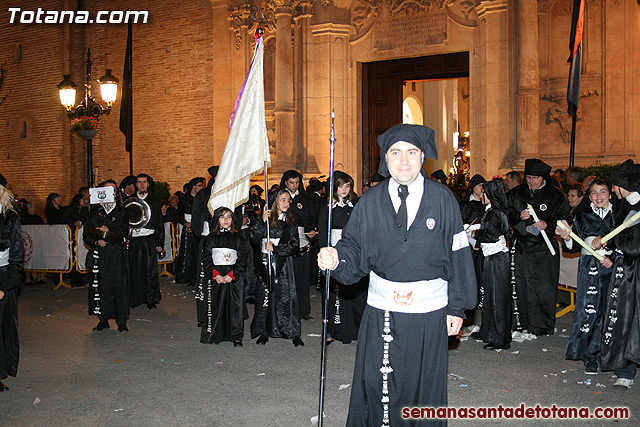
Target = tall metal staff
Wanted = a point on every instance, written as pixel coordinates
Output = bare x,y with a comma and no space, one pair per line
268,289
325,310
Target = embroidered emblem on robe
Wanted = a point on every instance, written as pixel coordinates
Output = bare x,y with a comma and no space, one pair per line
431,223
403,297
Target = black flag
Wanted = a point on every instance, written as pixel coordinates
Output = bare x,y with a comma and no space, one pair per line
126,105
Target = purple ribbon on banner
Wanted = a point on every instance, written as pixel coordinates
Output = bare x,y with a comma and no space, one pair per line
235,107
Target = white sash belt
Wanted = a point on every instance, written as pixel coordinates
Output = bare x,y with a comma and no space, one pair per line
304,240
142,232
588,240
205,228
423,296
489,249
224,256
274,240
336,234
4,257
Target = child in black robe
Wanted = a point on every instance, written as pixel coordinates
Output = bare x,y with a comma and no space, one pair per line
224,259
593,277
276,313
492,238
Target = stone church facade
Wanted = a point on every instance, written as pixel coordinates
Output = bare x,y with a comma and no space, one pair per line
191,57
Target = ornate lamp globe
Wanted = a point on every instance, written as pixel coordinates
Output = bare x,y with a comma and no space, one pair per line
67,90
108,87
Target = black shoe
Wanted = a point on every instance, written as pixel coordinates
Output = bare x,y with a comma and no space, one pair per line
591,367
237,343
103,324
488,346
151,305
476,336
329,341
251,300
123,328
297,341
3,387
307,317
263,339
191,284
200,324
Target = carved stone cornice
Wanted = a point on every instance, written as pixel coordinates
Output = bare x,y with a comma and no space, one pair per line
282,6
247,16
303,7
489,6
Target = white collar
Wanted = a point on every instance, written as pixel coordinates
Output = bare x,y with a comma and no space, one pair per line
108,207
601,212
633,198
342,204
282,217
472,198
142,196
294,194
488,207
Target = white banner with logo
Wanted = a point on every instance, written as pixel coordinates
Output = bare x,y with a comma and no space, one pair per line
46,247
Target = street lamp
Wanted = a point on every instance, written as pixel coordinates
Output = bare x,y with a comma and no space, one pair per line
88,106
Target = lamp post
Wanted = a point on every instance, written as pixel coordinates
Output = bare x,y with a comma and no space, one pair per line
88,107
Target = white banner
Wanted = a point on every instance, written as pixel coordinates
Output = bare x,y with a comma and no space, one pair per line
569,269
168,234
46,247
81,251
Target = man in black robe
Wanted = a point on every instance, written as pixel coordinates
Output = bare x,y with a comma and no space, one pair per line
144,246
127,188
188,254
407,234
108,262
536,268
201,226
303,210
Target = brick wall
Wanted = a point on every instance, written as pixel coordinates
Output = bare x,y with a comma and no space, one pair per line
173,111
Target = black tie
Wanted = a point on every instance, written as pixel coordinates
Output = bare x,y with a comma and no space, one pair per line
403,192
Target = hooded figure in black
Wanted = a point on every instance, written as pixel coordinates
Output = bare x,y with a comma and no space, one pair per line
491,239
11,255
621,329
224,259
346,303
108,262
406,233
472,209
186,269
536,269
305,214
276,310
201,225
144,245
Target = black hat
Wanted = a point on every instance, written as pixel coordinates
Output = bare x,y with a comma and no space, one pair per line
536,167
3,181
315,184
258,189
475,180
376,177
213,171
627,176
439,175
418,135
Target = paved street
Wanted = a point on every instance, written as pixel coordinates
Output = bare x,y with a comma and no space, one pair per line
159,374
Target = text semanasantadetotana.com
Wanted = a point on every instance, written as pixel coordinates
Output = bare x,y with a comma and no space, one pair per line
41,16
518,412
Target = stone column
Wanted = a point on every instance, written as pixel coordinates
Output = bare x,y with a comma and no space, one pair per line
528,89
284,81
